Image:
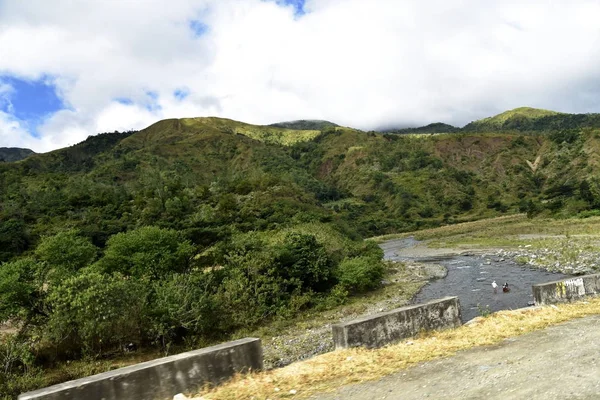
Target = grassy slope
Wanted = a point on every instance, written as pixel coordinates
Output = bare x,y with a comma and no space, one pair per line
521,112
526,119
509,119
305,124
423,177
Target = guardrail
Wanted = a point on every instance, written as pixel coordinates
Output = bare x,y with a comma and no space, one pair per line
383,328
566,290
161,378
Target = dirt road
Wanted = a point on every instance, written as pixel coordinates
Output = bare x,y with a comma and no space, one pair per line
560,362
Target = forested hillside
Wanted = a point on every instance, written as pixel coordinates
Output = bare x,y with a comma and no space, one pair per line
526,119
10,154
193,229
436,127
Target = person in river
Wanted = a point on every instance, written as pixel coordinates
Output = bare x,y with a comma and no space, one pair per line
505,288
495,286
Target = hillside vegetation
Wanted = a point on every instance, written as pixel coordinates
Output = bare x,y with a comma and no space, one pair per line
436,127
305,124
11,154
532,119
191,230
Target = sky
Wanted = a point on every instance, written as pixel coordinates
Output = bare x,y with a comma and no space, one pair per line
74,68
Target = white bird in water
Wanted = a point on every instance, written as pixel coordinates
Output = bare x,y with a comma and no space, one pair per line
495,286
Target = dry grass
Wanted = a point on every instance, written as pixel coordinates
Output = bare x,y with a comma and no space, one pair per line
458,229
332,370
502,228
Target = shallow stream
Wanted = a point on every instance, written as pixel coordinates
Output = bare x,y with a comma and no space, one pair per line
470,278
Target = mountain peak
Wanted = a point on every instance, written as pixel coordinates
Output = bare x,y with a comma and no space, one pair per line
11,154
521,118
520,112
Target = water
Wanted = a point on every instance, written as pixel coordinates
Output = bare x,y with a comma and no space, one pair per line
470,278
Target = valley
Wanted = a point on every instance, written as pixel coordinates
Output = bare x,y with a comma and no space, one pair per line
198,230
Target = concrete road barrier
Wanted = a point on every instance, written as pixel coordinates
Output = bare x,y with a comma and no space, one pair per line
161,378
566,290
380,329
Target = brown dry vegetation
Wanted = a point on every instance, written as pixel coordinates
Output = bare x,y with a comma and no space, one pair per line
510,226
332,370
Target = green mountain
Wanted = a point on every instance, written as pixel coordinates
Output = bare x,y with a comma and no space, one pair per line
526,119
11,154
372,183
436,127
521,112
198,228
305,124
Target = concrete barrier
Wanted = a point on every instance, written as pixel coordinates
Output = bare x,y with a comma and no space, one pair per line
566,290
380,329
162,378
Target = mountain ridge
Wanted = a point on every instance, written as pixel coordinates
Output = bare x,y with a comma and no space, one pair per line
12,154
211,226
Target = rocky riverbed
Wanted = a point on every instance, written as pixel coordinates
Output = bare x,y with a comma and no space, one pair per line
574,256
413,265
306,339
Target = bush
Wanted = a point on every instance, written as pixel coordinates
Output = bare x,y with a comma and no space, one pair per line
360,274
98,312
15,355
303,263
184,304
367,248
19,293
252,289
65,253
17,373
146,252
14,238
564,136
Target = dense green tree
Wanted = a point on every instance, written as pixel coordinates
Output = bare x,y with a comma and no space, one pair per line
303,263
65,253
95,312
146,252
14,238
20,290
185,304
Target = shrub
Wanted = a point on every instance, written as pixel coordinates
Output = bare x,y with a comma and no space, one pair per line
184,304
97,312
65,253
303,263
17,373
14,238
19,293
15,355
360,274
367,248
146,252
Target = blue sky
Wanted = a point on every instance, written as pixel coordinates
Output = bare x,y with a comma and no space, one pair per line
73,69
31,101
297,4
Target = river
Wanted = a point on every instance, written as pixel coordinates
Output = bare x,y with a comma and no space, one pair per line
470,278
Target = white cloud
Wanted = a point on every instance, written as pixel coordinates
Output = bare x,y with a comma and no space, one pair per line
14,134
355,62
